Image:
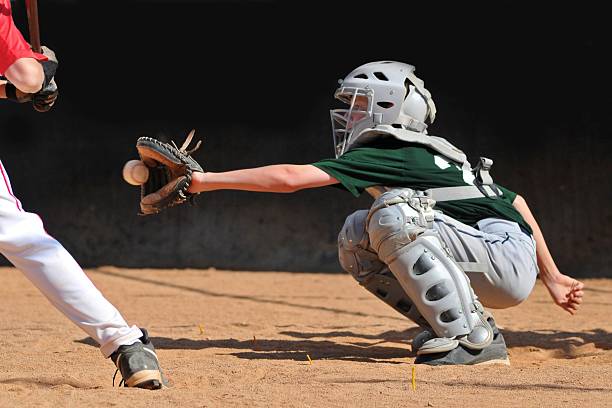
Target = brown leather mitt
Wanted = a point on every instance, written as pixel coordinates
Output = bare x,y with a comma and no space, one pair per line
170,171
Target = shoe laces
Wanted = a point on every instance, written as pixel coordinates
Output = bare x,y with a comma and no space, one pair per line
122,382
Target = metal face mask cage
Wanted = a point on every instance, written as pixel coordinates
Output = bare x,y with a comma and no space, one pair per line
345,122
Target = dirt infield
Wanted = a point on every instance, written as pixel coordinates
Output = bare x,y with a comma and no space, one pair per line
245,339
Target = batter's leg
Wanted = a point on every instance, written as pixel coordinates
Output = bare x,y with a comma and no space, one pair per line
45,262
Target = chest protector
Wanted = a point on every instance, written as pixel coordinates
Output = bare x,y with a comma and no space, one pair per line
482,185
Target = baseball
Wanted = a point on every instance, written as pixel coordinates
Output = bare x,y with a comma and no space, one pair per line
135,172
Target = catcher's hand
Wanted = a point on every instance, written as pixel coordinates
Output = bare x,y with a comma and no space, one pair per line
170,170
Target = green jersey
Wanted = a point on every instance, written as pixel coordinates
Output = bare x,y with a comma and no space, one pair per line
391,162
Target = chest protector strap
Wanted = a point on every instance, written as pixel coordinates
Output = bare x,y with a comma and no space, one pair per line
483,184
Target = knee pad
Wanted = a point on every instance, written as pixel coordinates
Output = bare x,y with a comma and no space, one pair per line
354,252
392,228
359,259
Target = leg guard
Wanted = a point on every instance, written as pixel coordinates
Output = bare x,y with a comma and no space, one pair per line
385,287
354,251
359,259
399,231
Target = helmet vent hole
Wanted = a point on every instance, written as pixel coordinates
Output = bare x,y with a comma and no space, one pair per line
385,105
381,76
361,76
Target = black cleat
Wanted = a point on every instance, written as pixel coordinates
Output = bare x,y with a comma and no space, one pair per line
138,365
495,353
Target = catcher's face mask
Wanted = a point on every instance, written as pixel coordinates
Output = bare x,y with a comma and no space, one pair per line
347,123
395,97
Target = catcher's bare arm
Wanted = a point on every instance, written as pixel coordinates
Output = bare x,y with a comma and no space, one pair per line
565,291
278,178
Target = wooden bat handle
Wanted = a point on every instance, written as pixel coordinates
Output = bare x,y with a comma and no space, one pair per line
32,7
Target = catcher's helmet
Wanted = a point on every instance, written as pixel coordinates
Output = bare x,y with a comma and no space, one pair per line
380,93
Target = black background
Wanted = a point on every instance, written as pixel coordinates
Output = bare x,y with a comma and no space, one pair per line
528,87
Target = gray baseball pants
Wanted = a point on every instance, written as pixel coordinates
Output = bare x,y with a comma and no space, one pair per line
498,257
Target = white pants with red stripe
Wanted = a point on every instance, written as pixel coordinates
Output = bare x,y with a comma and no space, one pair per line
45,262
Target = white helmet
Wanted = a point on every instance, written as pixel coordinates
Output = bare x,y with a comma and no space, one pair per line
380,93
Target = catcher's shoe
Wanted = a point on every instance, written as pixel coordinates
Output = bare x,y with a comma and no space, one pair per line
138,365
495,353
421,338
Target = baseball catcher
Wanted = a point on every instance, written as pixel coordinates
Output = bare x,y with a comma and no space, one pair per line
170,173
441,243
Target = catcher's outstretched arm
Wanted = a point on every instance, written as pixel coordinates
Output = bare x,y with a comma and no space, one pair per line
278,178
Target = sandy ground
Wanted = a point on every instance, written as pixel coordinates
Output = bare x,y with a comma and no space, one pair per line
245,339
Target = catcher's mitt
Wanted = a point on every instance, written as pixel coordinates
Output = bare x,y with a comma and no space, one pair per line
170,170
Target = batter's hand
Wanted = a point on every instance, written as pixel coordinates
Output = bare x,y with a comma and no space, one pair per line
49,66
44,99
566,292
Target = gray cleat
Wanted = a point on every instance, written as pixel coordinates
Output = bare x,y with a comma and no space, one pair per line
138,365
421,338
495,353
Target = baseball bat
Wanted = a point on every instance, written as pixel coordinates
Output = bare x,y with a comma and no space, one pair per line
32,8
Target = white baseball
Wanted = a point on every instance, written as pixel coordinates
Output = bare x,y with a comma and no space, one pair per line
135,172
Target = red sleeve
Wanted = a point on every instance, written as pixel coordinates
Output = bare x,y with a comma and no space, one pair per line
12,44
